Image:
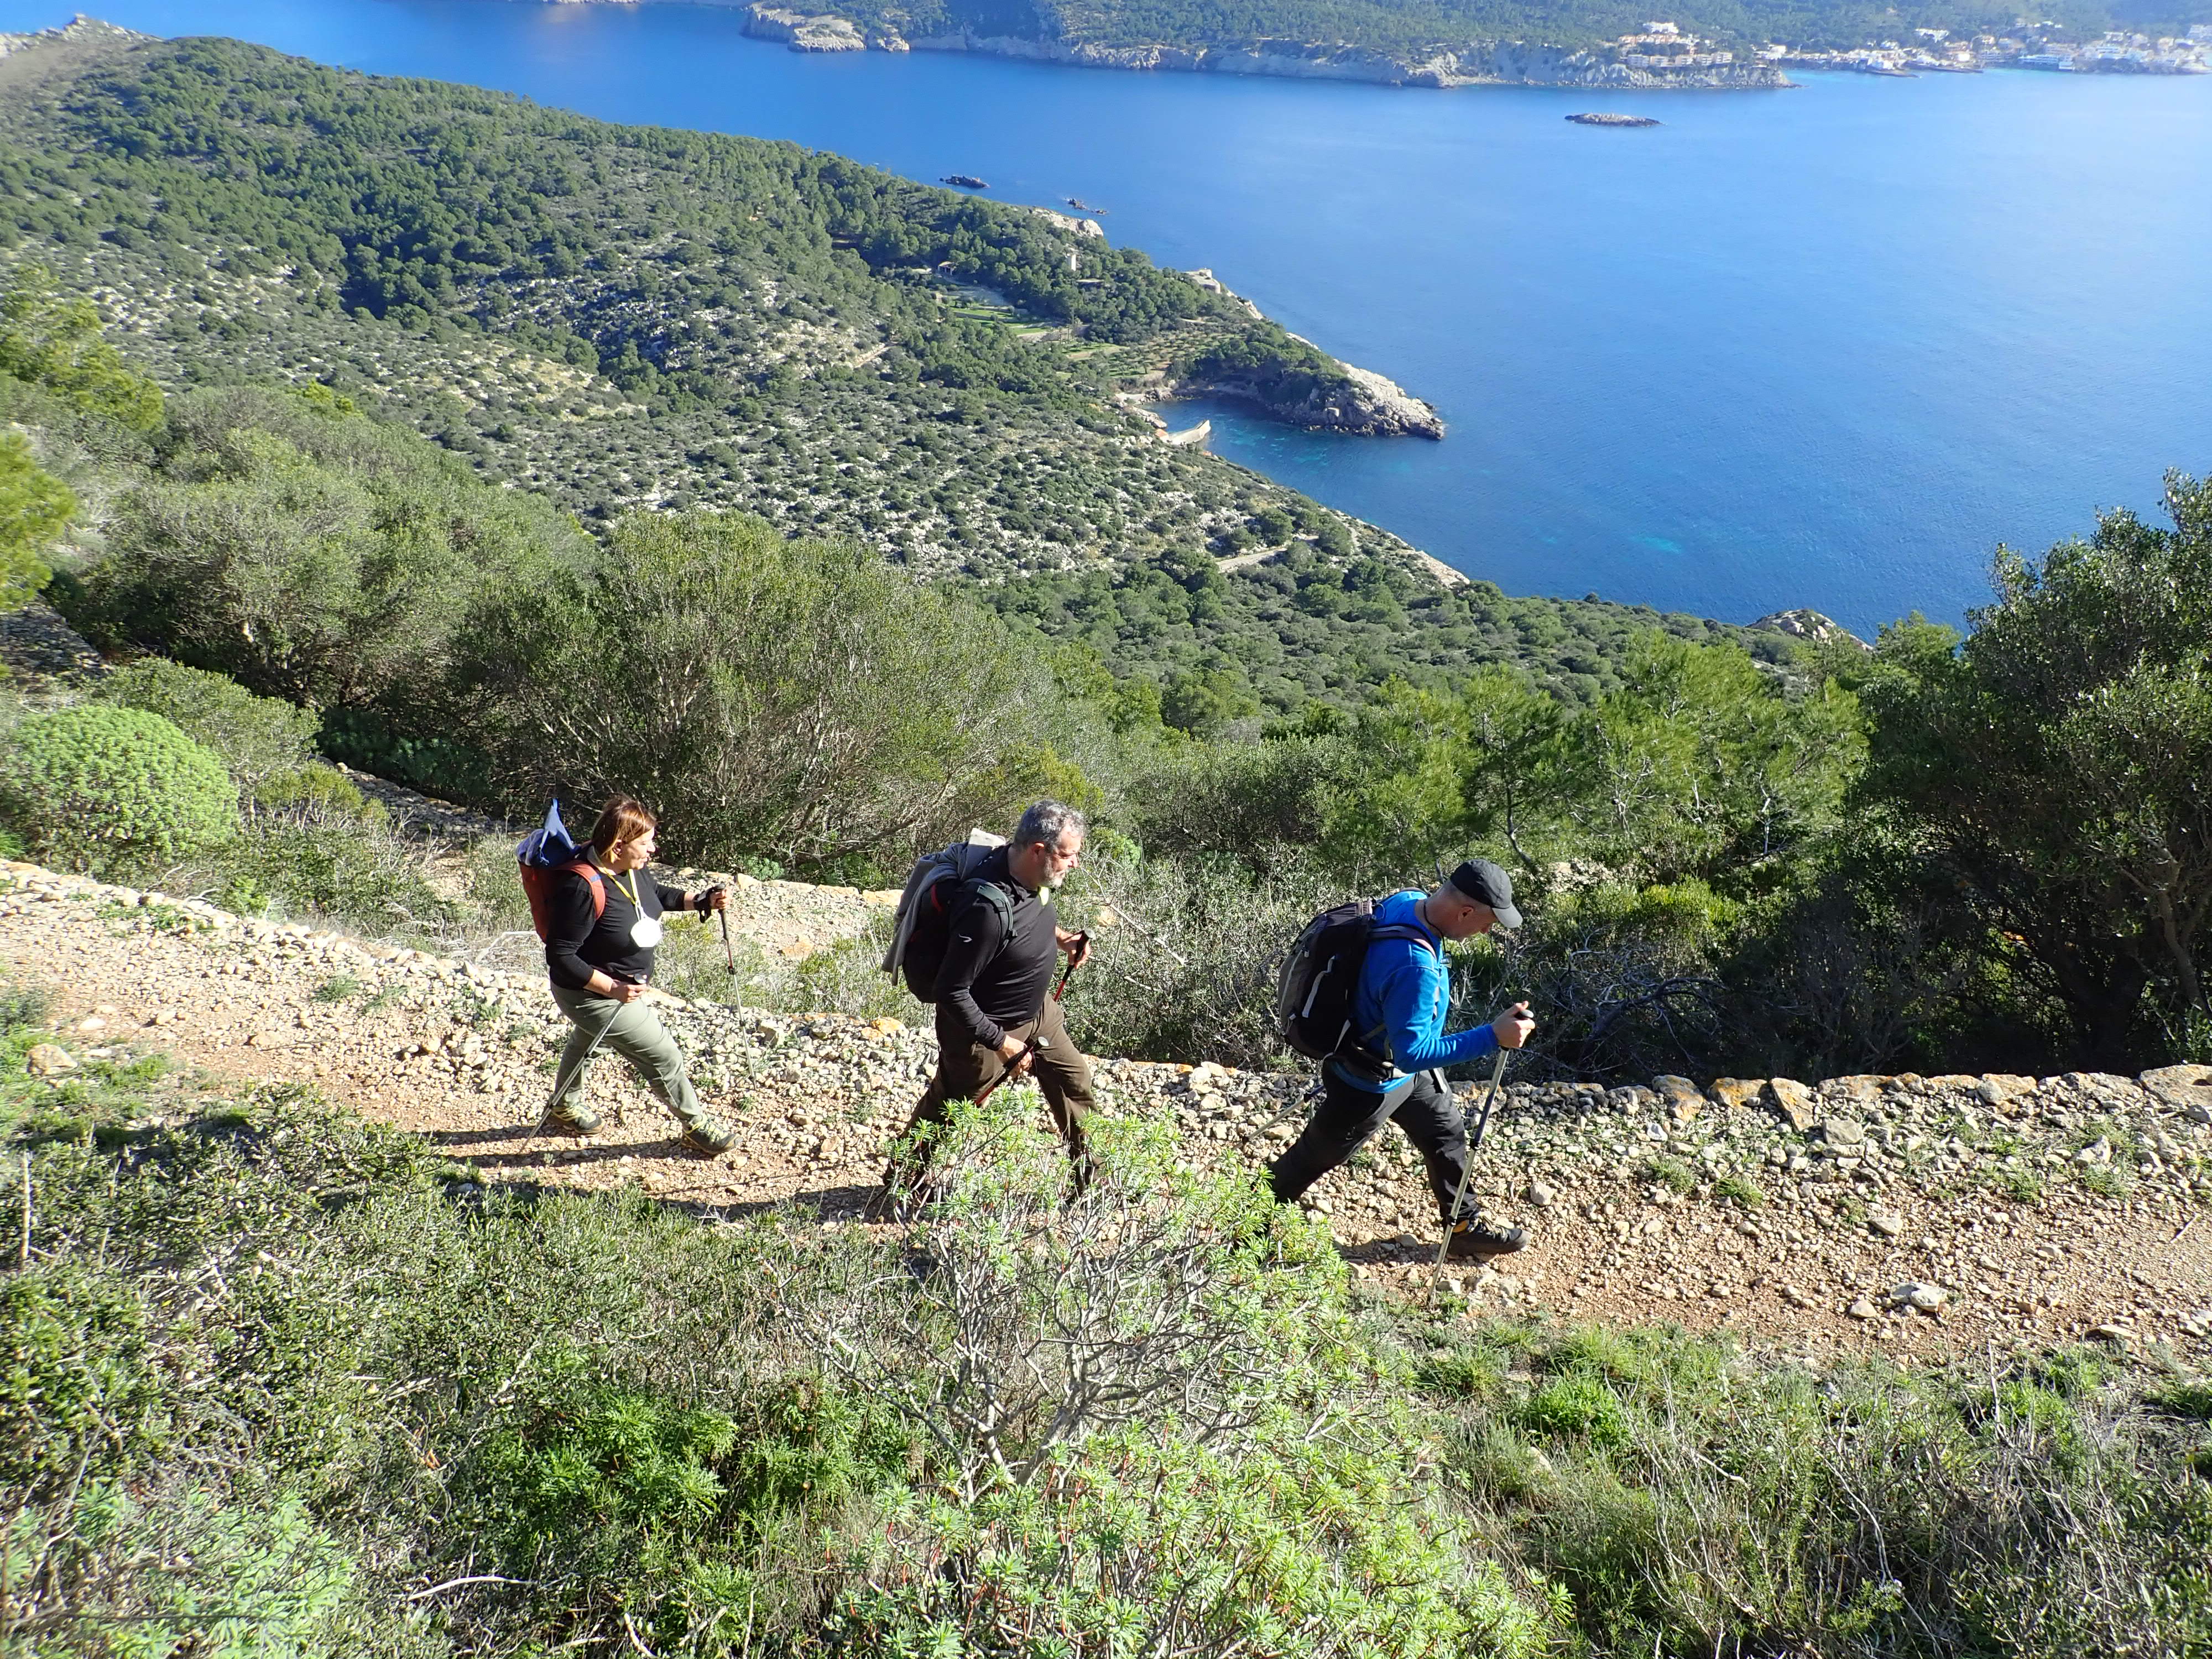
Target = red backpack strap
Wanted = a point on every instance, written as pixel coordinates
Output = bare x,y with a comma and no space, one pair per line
590,872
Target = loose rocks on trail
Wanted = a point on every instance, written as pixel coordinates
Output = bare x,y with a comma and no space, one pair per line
1911,1214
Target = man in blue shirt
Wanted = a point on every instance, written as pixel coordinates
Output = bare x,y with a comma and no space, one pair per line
1405,991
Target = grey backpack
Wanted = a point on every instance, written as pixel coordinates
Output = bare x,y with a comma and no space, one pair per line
923,926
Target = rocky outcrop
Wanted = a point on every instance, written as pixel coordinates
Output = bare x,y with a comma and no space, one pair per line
803,31
1212,284
1811,625
80,31
1344,399
1070,224
1362,402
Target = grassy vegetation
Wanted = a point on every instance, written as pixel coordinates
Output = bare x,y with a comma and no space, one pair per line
277,1381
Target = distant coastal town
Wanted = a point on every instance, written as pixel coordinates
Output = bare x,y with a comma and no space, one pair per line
1933,50
1663,55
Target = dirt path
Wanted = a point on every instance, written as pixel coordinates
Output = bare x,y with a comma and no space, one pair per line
2026,1211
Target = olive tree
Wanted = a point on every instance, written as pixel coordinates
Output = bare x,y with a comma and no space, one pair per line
309,552
799,699
2056,765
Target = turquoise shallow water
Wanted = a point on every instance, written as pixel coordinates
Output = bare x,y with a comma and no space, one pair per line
1819,347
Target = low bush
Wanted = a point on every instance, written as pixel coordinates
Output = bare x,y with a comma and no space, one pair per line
277,1382
259,739
34,506
312,553
309,865
109,788
1185,955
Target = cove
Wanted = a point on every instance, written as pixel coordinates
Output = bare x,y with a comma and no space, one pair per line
1822,347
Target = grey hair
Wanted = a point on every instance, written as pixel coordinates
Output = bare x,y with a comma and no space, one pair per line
1046,822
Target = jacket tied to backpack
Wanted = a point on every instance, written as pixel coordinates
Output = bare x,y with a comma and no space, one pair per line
921,927
546,852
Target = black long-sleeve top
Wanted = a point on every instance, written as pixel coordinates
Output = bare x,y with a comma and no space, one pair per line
988,987
576,945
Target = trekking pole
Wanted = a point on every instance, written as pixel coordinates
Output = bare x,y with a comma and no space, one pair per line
1034,1043
1473,1144
728,949
561,1078
1259,1137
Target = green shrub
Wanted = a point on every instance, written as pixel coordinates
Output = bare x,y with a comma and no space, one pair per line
352,871
1576,1406
2192,1400
1461,1374
1741,1188
1149,1544
634,1494
312,553
76,1393
320,791
259,739
799,700
171,1572
34,505
105,787
1185,954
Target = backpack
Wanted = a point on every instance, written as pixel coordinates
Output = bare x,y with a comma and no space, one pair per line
1318,992
923,926
545,852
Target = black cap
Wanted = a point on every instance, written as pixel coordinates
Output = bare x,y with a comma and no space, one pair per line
1487,883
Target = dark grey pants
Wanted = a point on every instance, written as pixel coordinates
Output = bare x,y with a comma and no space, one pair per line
1348,1117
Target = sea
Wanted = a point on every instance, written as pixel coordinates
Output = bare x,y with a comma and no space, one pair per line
1822,347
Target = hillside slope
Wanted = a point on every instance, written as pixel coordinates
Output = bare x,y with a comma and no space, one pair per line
619,317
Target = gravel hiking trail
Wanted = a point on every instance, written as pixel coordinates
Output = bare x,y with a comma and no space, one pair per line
1910,1216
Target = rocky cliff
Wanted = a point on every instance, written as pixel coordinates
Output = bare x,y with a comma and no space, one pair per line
1362,402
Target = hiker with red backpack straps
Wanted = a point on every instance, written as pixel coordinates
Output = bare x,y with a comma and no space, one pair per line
600,914
1379,971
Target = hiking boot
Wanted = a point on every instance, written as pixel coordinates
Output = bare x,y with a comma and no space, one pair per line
706,1139
570,1120
1476,1240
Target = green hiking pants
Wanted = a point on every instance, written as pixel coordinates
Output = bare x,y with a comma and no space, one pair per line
965,1068
632,1031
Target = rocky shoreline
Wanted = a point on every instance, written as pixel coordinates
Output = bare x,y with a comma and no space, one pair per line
1495,63
1363,404
1486,63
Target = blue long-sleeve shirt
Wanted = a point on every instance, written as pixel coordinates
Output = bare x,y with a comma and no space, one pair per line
1405,991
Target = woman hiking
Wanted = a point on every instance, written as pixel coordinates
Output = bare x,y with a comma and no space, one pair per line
598,949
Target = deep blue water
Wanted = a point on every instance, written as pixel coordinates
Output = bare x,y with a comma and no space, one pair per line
1820,347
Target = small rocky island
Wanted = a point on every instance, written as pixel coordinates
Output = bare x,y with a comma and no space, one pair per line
1604,120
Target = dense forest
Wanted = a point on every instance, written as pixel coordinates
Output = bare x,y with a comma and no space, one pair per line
1410,26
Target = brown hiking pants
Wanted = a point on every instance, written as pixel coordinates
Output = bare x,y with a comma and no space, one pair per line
965,1068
